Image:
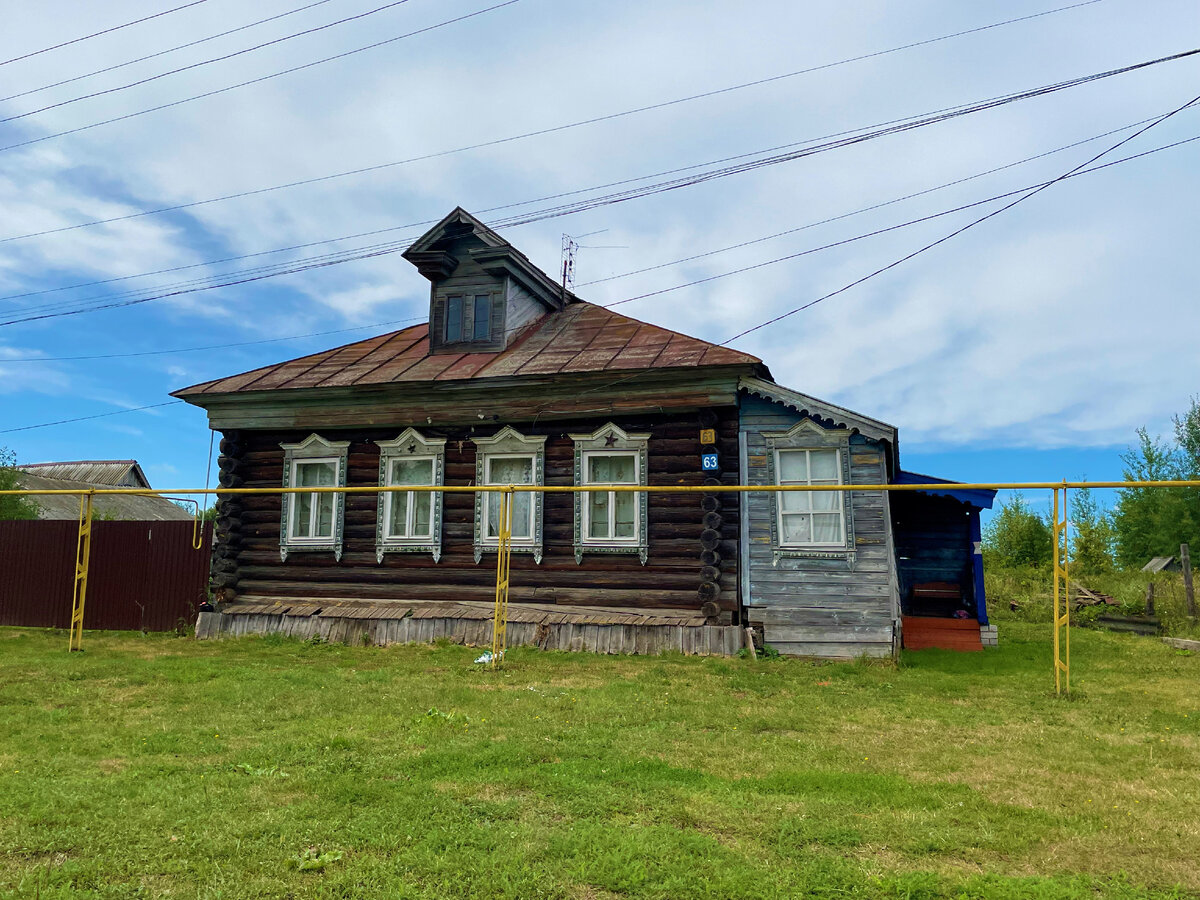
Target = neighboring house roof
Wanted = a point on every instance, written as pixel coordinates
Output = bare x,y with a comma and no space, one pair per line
1161,564
122,506
111,472
580,338
981,499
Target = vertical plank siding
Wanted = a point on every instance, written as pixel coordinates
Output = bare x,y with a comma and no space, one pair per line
671,577
691,640
143,575
819,606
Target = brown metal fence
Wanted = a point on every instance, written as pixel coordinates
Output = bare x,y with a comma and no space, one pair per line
143,576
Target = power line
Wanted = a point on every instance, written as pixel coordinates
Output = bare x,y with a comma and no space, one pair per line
165,12
545,131
807,148
155,55
875,206
115,412
261,78
1080,169
225,346
386,250
205,62
969,225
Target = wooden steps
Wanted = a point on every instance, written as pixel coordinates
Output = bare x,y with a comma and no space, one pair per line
924,632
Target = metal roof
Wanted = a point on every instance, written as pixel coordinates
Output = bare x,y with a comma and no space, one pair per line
580,338
111,472
976,497
124,506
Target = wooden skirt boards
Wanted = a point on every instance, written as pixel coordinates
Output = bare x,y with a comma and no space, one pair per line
551,628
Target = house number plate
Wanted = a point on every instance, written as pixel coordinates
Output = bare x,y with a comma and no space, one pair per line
708,462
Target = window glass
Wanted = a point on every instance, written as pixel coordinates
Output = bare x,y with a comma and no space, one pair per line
417,504
598,515
314,512
511,470
454,319
810,517
483,309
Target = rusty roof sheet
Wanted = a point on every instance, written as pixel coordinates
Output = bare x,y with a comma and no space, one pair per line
580,338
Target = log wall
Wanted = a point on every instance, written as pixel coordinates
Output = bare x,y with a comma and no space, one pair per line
247,559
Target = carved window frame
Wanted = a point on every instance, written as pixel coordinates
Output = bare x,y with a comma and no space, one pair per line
509,442
410,444
612,438
808,435
313,448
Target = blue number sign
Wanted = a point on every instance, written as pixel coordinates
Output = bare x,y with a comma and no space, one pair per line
708,462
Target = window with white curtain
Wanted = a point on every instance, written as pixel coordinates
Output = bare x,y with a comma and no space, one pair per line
810,518
510,458
312,520
611,521
409,521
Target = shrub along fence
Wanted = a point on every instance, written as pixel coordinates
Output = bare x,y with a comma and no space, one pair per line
143,576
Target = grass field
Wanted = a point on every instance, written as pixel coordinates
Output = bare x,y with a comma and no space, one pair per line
157,766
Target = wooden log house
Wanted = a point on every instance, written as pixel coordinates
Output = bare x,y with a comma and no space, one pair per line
515,380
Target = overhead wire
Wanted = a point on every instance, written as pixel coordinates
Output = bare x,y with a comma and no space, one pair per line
1034,188
992,214
260,79
223,346
1026,193
549,130
808,148
87,37
205,62
158,53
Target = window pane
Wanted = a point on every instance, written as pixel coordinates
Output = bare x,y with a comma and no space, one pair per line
483,308
625,504
827,528
302,515
422,514
612,469
522,515
598,515
324,515
795,501
412,471
397,522
824,465
517,470
827,500
315,474
454,317
797,529
793,466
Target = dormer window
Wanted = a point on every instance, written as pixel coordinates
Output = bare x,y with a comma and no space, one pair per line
468,318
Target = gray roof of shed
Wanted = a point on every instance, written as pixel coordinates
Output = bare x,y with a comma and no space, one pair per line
111,472
126,507
1159,564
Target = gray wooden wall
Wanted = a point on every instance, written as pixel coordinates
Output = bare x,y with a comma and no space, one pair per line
829,607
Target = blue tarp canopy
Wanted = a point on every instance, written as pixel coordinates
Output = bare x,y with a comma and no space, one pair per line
977,498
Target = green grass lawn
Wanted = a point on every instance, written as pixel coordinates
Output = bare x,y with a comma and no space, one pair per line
158,766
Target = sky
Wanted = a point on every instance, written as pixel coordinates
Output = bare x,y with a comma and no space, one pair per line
1030,347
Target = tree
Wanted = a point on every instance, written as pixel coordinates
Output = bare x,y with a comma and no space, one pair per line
1092,534
12,506
1017,536
1153,522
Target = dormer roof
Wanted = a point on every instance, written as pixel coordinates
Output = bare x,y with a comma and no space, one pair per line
439,252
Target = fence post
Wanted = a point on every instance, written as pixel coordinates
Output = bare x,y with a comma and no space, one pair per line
1189,593
1150,599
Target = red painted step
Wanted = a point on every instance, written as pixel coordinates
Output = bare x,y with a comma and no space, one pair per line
924,632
